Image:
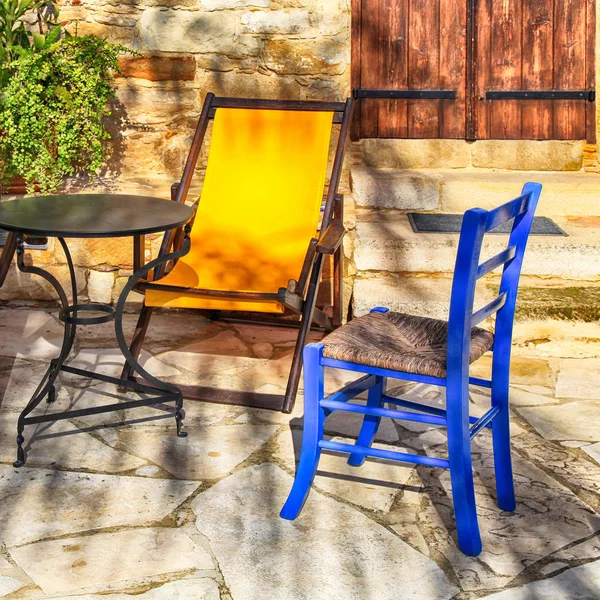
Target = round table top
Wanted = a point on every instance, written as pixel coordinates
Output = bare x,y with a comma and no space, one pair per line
92,215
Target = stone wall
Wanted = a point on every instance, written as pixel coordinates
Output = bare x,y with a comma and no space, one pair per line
255,48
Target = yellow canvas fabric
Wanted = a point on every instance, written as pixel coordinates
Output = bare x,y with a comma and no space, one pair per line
258,209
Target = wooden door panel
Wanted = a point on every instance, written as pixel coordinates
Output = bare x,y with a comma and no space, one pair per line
519,45
423,67
569,67
538,38
540,45
411,45
453,68
369,71
393,69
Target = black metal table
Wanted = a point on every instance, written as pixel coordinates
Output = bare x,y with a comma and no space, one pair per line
94,216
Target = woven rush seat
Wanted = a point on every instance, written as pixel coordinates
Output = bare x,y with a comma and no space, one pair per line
400,342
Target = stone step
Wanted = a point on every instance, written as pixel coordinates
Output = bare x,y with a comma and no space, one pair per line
548,310
457,190
386,242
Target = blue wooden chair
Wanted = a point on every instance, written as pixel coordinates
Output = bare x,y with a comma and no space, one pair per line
386,344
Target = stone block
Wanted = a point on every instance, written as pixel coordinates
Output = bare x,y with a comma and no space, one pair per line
253,85
25,286
116,20
390,188
387,243
415,154
101,285
223,4
329,18
306,57
94,252
115,35
275,21
566,193
159,68
528,155
194,31
154,105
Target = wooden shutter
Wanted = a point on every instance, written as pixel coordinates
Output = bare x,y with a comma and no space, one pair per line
410,45
533,45
519,45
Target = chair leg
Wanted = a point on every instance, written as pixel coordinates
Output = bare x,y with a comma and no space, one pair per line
314,417
370,423
291,390
461,470
305,325
501,439
138,338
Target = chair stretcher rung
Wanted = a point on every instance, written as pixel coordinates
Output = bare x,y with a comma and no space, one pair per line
484,421
422,407
358,368
499,259
353,389
486,383
489,309
384,412
387,454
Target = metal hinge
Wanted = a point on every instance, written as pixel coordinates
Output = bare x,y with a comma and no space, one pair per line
589,95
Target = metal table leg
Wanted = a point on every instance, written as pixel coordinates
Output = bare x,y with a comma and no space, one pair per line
70,314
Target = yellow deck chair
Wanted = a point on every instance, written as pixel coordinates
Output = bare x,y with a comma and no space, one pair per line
253,244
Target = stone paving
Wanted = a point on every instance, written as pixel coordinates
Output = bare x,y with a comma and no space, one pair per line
132,511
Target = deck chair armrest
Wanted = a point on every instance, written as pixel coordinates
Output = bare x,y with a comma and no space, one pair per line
332,237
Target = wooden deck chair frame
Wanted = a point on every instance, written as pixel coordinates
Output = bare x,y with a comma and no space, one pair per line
300,296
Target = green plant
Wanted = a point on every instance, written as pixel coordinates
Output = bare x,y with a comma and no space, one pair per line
13,33
54,94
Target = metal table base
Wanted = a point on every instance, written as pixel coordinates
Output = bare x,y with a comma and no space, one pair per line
71,316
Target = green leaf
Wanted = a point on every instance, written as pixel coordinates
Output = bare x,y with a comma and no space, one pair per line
39,41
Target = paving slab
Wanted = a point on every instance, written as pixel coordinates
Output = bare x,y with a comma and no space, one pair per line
579,420
8,585
331,552
18,384
579,583
578,378
586,550
511,541
32,334
42,503
183,589
569,466
206,453
105,558
372,486
593,450
62,445
110,362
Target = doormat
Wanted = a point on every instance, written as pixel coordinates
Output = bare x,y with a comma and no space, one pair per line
430,223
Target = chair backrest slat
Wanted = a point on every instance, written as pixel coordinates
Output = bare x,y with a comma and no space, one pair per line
497,260
507,211
476,223
488,310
